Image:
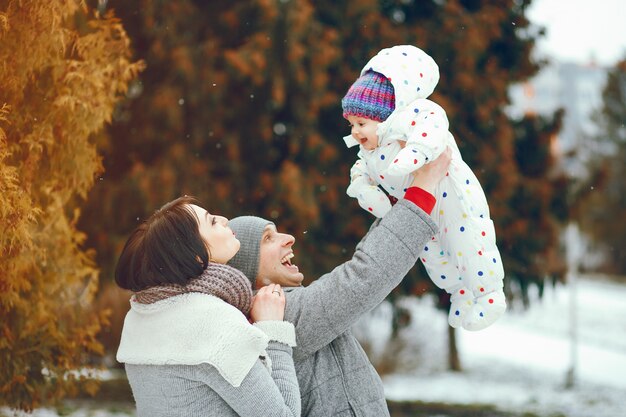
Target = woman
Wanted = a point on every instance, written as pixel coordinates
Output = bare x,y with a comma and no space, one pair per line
187,346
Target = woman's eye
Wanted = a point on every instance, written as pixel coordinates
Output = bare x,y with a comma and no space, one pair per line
213,221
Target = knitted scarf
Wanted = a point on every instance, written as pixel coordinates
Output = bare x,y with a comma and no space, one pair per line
219,280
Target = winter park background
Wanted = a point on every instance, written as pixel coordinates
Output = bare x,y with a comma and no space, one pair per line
238,104
517,366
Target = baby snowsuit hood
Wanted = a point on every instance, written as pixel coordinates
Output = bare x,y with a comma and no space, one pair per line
411,71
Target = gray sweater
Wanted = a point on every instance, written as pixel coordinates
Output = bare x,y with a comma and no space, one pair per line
199,390
335,376
195,355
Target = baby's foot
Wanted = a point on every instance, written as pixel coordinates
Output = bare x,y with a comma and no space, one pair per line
461,302
485,310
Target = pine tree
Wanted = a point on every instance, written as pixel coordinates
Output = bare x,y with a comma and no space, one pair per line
240,106
61,74
603,209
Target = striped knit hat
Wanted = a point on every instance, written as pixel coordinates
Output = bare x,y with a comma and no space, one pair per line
371,96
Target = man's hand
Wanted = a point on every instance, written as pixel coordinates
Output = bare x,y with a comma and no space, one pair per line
428,176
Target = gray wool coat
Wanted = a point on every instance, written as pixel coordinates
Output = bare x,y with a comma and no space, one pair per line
335,376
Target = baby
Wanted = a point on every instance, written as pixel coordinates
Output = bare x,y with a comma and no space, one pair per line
398,131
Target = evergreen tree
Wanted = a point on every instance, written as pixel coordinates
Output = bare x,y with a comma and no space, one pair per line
603,210
62,73
240,106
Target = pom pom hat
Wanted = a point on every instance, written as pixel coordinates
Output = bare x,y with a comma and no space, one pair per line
371,96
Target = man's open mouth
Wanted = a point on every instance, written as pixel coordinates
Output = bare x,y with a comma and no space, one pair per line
287,259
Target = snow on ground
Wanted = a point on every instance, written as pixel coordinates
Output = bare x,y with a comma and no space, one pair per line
520,363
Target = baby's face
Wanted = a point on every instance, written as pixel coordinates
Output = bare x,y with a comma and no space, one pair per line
364,131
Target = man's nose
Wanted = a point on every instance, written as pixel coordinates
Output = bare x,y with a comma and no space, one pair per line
288,240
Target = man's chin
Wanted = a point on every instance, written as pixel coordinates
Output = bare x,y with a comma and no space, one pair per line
292,276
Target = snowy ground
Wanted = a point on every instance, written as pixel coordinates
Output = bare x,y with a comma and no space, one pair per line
519,364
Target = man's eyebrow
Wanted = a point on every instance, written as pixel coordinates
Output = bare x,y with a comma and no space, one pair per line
270,228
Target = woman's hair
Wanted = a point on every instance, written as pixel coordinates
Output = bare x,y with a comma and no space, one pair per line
167,248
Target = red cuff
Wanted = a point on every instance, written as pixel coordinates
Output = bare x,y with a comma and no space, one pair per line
421,198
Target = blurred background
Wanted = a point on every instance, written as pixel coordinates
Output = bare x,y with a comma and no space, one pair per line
109,109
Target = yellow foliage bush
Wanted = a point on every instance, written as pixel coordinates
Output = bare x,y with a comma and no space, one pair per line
61,73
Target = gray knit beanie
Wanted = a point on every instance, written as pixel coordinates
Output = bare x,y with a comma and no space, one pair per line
249,231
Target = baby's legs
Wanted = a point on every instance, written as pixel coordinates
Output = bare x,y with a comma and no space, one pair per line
470,244
445,274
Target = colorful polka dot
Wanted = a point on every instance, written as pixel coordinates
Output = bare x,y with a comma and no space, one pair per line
416,110
424,134
382,157
462,229
445,194
443,277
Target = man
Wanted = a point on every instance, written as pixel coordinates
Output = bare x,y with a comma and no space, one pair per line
335,376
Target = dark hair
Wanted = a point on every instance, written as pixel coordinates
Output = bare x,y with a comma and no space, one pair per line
167,248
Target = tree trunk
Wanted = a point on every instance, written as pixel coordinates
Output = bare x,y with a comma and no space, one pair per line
454,363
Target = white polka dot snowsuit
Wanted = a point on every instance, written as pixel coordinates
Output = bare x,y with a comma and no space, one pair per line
462,258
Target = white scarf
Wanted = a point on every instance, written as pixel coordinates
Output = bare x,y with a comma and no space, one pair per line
191,329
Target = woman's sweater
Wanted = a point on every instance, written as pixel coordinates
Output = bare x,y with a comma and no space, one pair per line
195,355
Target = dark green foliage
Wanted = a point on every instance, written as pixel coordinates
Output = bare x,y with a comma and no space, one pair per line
602,212
240,106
